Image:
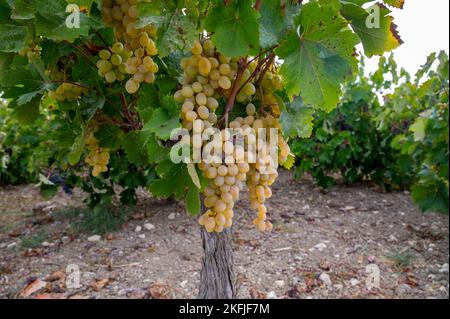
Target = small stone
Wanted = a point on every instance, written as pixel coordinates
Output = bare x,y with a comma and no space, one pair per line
2,245
354,282
393,239
65,239
95,238
320,246
280,283
142,236
172,216
46,244
12,245
371,259
149,226
432,277
338,286
326,279
183,284
443,289
271,295
324,264
138,229
444,269
403,289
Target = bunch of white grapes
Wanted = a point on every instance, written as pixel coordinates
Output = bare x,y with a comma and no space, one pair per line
143,69
209,76
112,64
226,181
67,92
98,158
123,15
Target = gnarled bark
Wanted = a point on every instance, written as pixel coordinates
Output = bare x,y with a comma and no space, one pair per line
217,280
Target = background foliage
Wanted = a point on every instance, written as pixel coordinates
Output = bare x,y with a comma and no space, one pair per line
391,129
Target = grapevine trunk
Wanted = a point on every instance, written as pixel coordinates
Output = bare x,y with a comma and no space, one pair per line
217,280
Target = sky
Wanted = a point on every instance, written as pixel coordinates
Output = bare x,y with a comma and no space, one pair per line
424,27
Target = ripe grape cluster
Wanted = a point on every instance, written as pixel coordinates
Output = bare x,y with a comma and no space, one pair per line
123,15
67,92
209,76
112,64
98,158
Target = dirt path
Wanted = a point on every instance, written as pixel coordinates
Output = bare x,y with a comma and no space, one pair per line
322,247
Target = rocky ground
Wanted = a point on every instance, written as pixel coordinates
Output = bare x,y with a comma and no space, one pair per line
325,245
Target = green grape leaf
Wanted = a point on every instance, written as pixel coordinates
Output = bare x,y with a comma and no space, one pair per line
27,97
77,149
109,136
22,9
134,144
5,60
194,175
174,180
51,18
148,101
272,26
50,53
12,37
319,57
290,162
155,151
193,204
164,119
430,197
29,112
419,129
377,36
235,27
176,31
297,119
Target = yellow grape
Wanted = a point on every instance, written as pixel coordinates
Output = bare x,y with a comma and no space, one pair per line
197,49
224,82
204,66
132,86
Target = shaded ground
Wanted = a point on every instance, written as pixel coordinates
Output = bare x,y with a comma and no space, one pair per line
322,246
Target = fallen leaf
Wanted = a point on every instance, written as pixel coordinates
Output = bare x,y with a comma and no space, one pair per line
16,233
32,288
257,294
99,284
57,275
160,291
50,296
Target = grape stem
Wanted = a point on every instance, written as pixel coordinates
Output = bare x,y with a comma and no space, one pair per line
269,62
235,91
254,74
261,54
82,52
127,113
